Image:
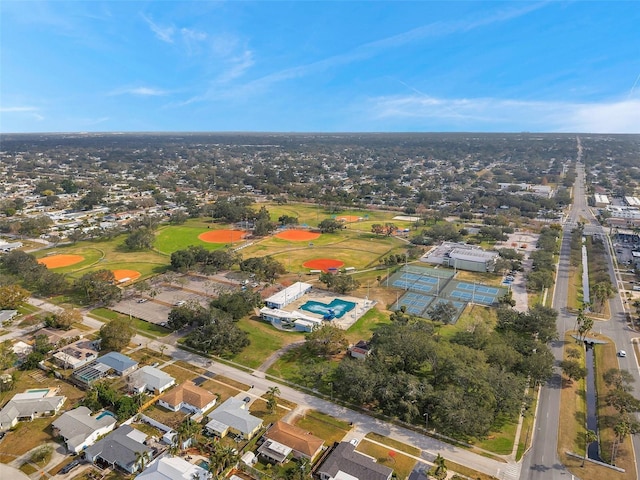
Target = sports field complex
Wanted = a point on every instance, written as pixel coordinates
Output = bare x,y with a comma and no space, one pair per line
426,287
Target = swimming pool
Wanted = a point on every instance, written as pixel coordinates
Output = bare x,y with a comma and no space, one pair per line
38,390
203,464
336,309
104,414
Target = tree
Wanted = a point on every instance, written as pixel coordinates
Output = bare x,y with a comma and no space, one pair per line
7,355
573,369
329,225
602,291
219,337
64,319
99,286
115,335
12,296
589,437
272,398
326,341
139,239
619,379
439,469
339,282
444,312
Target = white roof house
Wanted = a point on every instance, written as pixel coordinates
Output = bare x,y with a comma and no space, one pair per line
150,379
79,428
173,468
232,415
29,405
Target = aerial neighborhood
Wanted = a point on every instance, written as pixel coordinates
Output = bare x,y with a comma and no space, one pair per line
337,307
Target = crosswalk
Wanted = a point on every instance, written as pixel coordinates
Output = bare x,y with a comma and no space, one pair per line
510,471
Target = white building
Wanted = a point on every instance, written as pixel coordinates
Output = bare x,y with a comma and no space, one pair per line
295,319
288,295
601,201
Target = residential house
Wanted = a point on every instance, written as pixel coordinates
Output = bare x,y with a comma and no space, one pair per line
173,468
113,363
188,396
150,379
76,354
29,405
345,463
302,443
124,448
232,416
79,428
6,315
360,350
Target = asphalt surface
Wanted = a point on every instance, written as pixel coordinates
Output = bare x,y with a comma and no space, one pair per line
542,461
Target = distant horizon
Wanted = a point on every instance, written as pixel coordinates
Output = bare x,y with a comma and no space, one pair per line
250,132
325,66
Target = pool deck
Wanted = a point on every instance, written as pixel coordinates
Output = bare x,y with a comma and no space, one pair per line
323,296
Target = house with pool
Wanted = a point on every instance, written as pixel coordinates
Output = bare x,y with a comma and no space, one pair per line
79,428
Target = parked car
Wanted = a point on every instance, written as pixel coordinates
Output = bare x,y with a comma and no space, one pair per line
143,300
70,466
622,353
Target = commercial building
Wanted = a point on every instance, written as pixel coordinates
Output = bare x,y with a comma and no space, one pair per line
288,295
462,256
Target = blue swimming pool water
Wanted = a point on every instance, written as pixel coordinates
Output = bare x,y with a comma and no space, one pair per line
203,464
104,414
337,308
38,390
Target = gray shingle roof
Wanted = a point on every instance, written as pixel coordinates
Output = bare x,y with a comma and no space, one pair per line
78,424
118,448
345,459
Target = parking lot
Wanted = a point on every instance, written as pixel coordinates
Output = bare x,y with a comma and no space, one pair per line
187,288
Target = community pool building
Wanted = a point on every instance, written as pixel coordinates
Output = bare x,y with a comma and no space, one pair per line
288,295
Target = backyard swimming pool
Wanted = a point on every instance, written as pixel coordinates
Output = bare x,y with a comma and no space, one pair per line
336,309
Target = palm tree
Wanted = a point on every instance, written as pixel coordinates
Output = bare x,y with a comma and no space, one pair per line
187,430
439,470
141,460
589,437
272,398
621,429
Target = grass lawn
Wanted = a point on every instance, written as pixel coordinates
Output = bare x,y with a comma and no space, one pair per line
403,447
170,238
572,421
325,426
233,383
527,425
574,295
25,437
146,356
468,472
500,442
167,417
259,409
265,339
225,391
472,315
401,464
179,373
366,325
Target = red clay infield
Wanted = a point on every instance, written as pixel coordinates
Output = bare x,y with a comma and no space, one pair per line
127,275
323,264
297,235
222,236
57,261
348,218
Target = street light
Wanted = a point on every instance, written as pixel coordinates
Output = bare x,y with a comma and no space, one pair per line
426,421
331,385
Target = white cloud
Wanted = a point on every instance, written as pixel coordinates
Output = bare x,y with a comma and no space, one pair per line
163,33
18,109
515,115
238,66
140,91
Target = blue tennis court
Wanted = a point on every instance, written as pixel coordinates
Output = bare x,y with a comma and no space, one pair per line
477,297
422,288
478,288
401,284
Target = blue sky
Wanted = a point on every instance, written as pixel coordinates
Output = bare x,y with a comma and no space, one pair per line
320,66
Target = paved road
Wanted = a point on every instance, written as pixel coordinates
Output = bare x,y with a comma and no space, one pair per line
542,462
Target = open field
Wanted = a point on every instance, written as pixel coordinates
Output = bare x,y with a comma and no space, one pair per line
58,261
265,339
108,255
328,428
